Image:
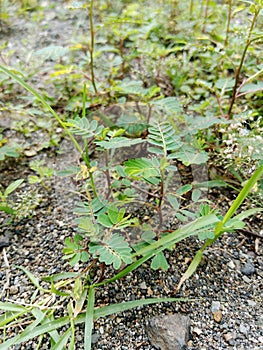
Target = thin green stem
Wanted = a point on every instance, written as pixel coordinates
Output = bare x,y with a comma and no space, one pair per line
191,9
84,96
92,35
205,15
228,21
86,158
238,71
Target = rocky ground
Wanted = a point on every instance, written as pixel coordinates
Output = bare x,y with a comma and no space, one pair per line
227,289
226,312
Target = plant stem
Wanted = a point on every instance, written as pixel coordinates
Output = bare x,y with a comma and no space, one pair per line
92,47
238,71
228,21
205,15
85,157
191,9
107,173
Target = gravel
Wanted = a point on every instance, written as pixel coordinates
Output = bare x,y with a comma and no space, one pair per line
36,245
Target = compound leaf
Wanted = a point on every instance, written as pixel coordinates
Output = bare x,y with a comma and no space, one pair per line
114,250
82,127
159,262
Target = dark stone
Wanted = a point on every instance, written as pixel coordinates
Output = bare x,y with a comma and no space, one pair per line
4,242
169,332
248,269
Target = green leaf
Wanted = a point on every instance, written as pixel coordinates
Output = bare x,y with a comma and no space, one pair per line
178,235
72,170
87,226
33,279
191,269
53,52
196,194
79,296
33,179
162,135
63,340
131,87
206,235
170,104
246,213
118,142
114,250
188,155
12,187
124,306
7,209
8,151
173,201
184,189
181,217
89,319
210,184
35,330
32,331
60,276
8,317
159,262
143,167
7,306
104,220
113,214
82,127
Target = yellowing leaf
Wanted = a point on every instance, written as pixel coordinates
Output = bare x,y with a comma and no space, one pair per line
61,72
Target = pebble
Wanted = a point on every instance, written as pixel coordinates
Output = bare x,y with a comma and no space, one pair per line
243,329
231,264
248,269
215,306
169,332
218,316
95,337
13,290
251,303
143,285
228,336
246,279
197,330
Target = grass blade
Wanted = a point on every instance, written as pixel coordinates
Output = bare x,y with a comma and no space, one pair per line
89,319
191,269
33,279
34,330
62,341
243,193
180,234
5,306
120,307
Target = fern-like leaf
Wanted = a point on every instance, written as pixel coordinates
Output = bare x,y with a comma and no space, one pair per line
148,169
169,104
162,136
82,127
189,155
117,142
112,251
